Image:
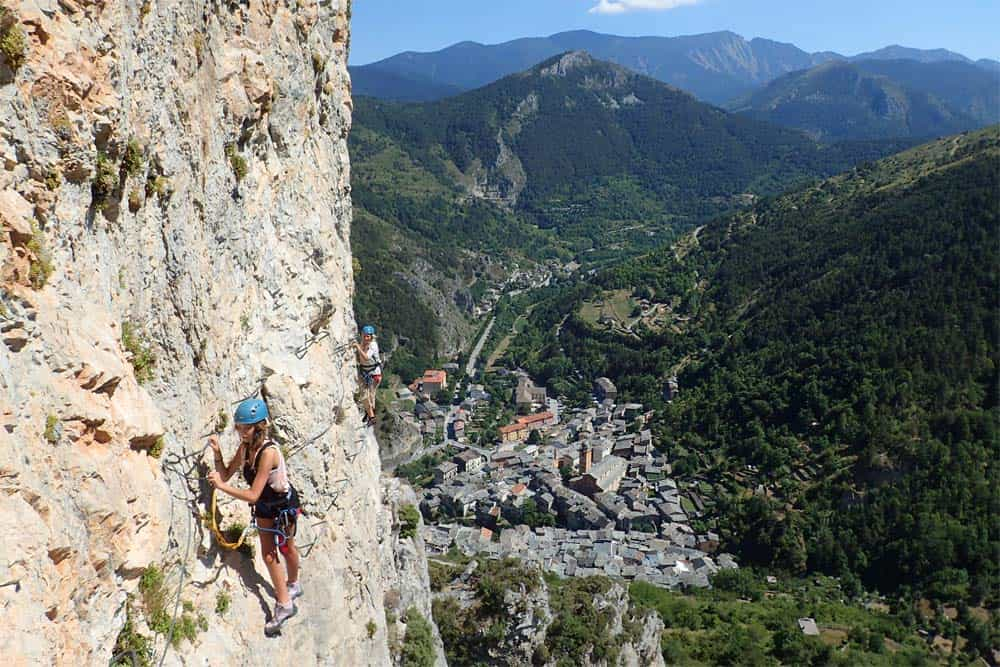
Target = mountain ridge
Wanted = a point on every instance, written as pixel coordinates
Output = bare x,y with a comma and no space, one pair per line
494,129
869,99
716,67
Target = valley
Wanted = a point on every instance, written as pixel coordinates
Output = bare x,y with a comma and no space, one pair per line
678,311
454,197
757,300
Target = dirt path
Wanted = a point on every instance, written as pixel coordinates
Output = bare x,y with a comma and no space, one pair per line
687,243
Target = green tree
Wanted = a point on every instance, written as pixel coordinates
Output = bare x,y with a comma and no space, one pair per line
418,644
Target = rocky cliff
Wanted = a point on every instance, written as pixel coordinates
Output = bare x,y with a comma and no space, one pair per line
404,560
501,612
175,210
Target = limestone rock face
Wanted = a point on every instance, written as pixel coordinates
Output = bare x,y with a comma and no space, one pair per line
644,649
404,562
530,615
174,237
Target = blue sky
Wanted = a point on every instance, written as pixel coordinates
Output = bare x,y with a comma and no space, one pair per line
381,28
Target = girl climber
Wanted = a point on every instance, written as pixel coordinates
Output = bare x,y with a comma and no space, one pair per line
274,502
369,365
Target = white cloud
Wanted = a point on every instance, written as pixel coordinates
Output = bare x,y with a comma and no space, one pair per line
623,6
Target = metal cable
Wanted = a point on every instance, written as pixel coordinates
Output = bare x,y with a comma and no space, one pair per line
169,467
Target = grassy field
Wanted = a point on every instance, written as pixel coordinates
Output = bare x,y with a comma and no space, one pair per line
515,329
616,304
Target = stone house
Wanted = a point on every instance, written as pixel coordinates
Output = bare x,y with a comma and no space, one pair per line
516,432
469,461
526,394
445,472
430,383
604,389
537,420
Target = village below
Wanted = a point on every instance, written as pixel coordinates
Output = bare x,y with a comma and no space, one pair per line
578,491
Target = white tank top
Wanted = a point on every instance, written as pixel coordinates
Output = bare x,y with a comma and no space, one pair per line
277,479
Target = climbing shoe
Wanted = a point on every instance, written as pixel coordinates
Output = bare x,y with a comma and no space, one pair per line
294,590
281,614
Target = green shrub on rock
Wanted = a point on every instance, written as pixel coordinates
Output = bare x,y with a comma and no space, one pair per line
418,645
105,179
131,648
140,353
13,41
222,602
409,519
237,162
132,161
52,429
40,268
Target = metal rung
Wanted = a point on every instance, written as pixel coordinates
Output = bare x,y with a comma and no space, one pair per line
306,549
310,341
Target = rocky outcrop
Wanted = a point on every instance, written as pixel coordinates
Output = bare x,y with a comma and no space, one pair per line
642,649
539,619
398,440
174,202
404,562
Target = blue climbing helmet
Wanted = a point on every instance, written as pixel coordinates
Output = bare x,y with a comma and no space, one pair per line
250,411
368,329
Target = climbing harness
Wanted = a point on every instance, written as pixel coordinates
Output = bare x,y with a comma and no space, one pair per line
284,527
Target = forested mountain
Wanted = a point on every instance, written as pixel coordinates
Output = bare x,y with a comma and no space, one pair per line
389,85
423,249
573,159
715,67
872,99
837,357
573,138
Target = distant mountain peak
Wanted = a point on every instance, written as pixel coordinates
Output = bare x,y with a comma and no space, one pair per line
586,71
878,98
898,52
564,64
